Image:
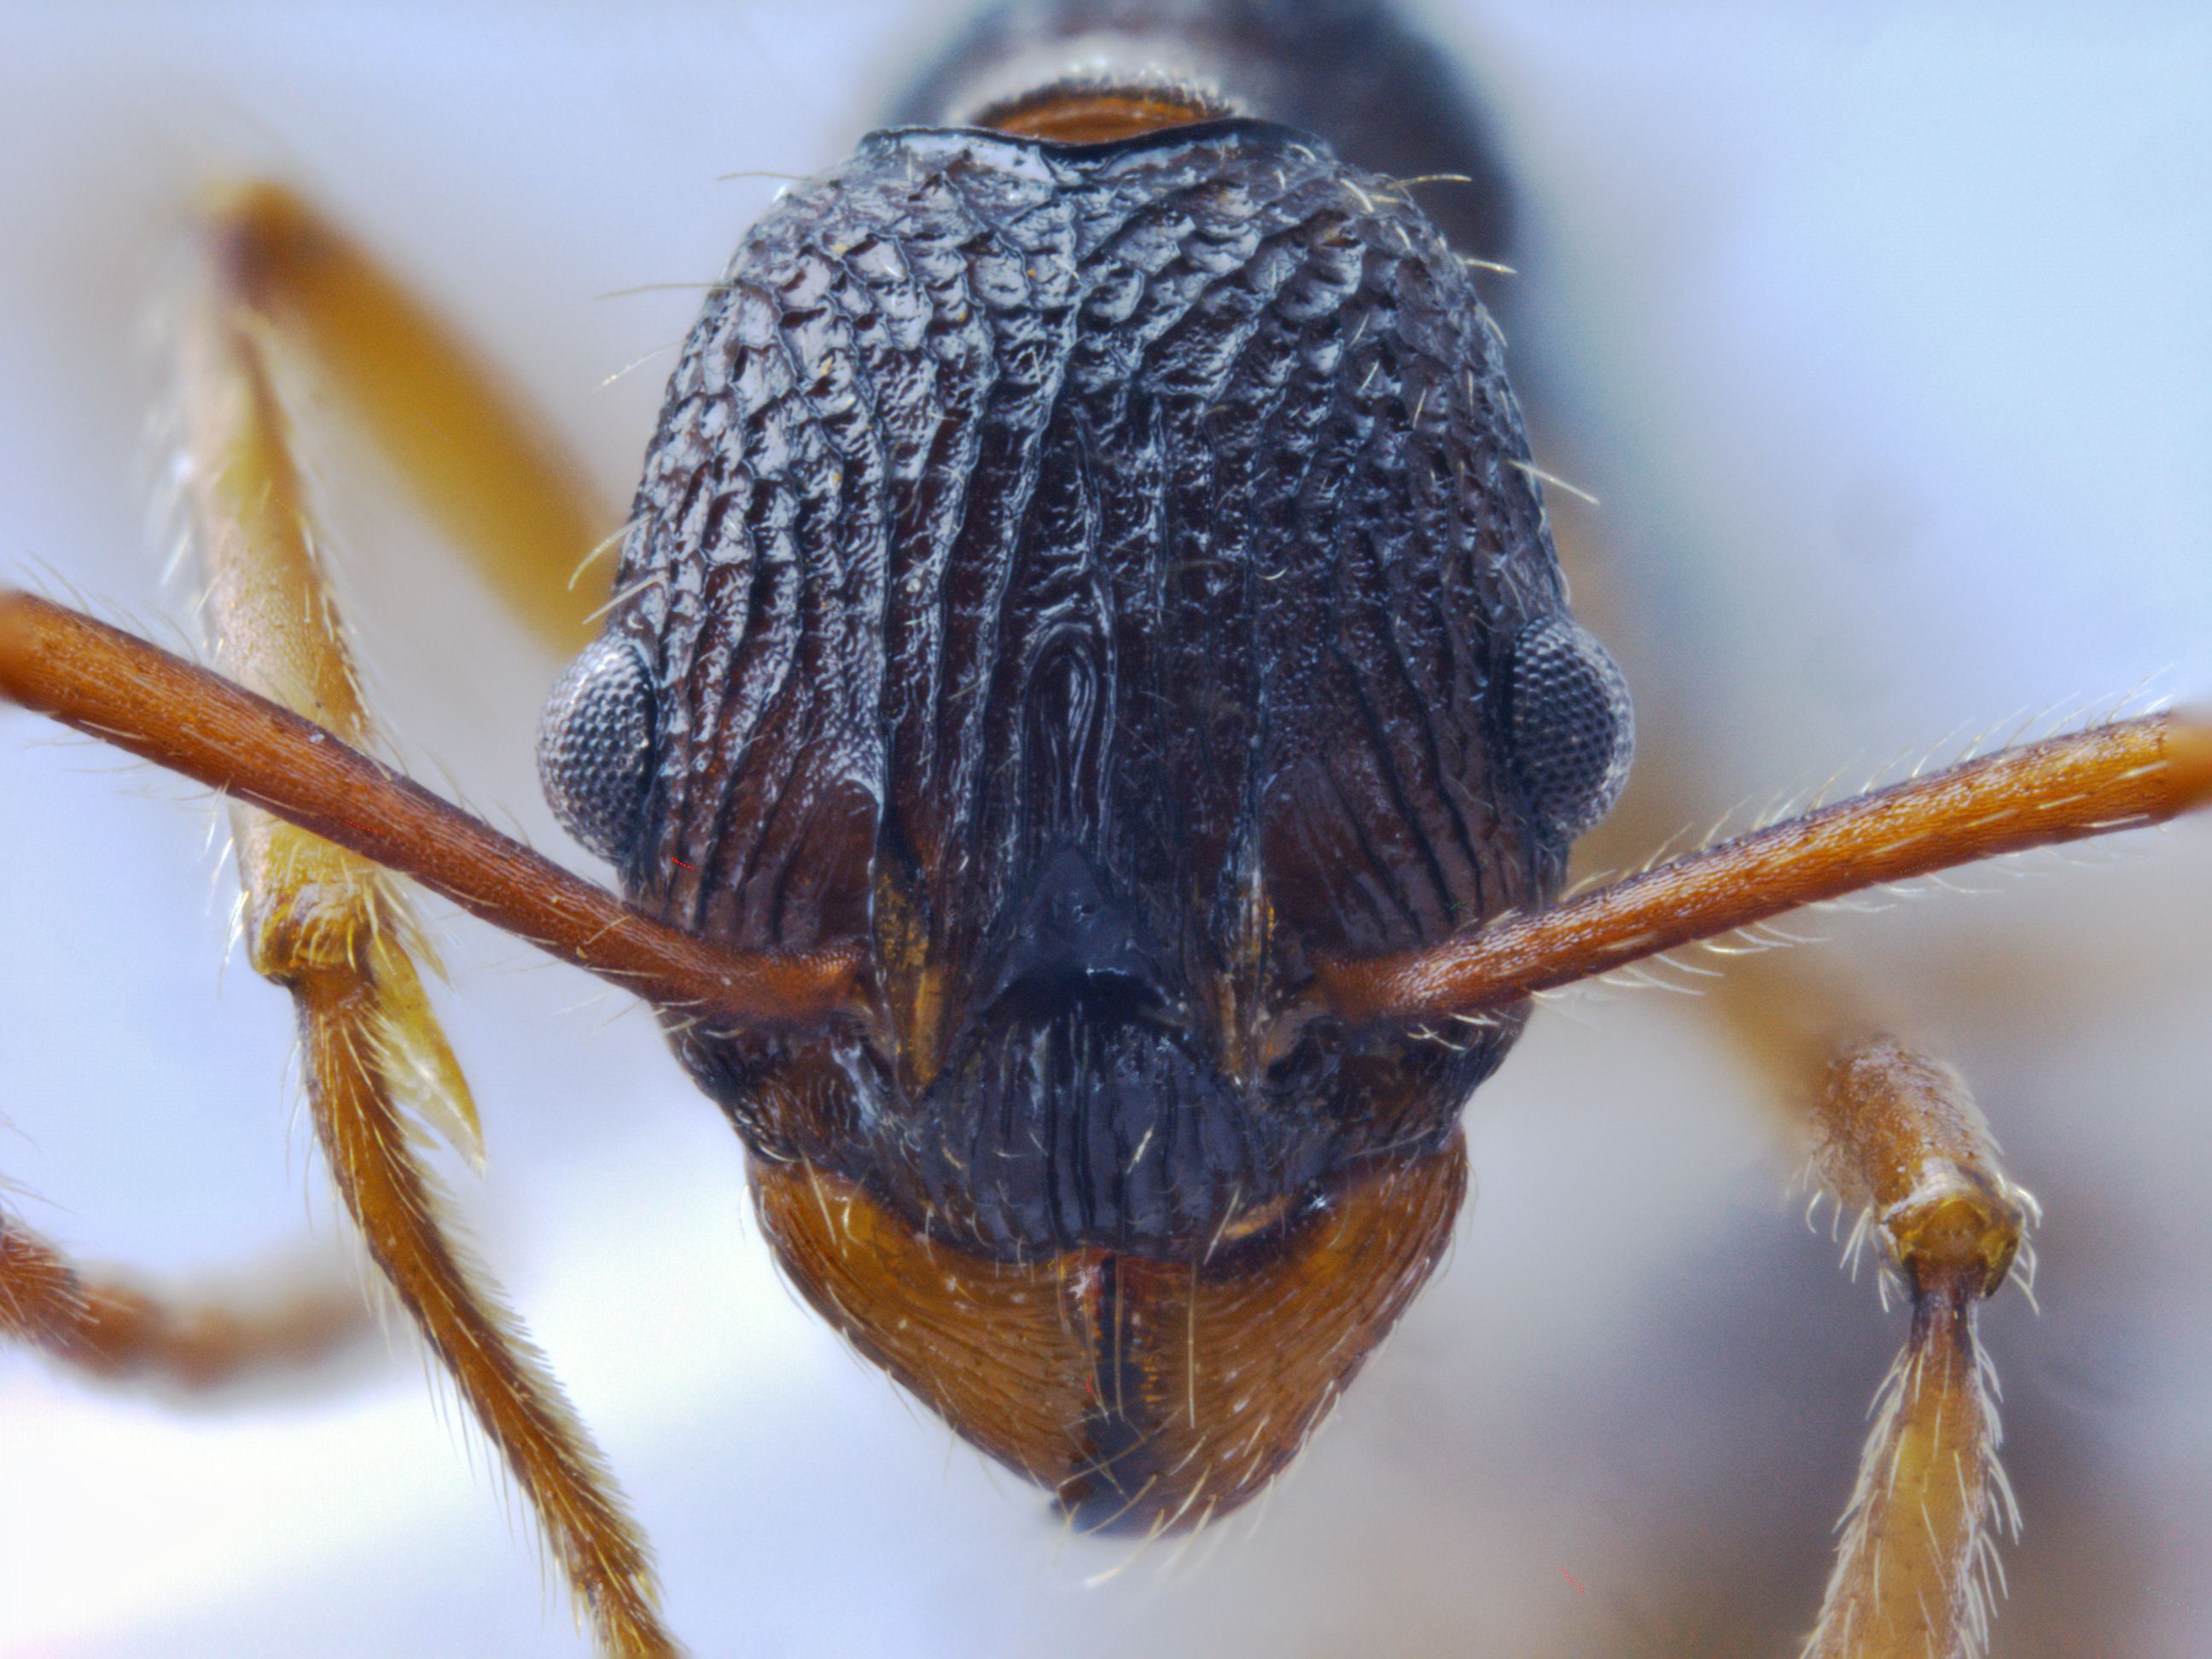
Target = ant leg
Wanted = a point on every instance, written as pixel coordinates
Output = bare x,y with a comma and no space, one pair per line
1902,1143
373,1147
111,1328
333,929
489,473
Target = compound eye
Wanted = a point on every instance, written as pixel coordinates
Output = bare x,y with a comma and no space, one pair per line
1569,728
595,746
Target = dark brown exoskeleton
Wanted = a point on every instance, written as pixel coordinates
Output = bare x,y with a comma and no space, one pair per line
1090,732
1094,576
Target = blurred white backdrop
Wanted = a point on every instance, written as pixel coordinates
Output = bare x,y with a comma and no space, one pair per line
1883,334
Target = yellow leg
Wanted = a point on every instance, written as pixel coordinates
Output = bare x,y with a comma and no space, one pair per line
1903,1145
324,922
493,478
112,1327
1898,1141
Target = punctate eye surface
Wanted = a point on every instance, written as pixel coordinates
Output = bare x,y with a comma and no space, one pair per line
1570,729
595,746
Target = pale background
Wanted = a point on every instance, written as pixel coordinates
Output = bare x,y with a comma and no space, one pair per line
1885,334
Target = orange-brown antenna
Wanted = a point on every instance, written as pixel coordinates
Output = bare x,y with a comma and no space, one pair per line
2119,776
118,688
